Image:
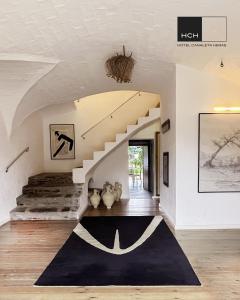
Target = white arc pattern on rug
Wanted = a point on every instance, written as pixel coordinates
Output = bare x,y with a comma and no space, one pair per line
87,237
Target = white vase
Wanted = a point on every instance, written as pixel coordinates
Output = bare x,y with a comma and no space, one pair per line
95,198
107,183
115,193
118,189
108,197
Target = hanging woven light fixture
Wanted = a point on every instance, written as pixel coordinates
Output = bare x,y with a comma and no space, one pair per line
120,67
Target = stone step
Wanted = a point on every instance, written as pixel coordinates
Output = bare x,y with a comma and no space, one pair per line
51,191
49,213
49,196
64,200
51,179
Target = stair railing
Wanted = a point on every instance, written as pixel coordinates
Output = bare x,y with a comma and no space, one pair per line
83,135
16,158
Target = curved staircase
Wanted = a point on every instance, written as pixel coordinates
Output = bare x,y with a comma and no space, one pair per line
64,196
79,174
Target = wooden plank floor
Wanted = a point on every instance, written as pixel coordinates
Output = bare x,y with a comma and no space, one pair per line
133,207
26,248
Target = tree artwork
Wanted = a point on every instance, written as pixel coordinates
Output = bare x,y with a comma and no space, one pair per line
219,153
232,140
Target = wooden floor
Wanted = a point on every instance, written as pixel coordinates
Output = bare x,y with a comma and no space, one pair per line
26,248
137,192
132,207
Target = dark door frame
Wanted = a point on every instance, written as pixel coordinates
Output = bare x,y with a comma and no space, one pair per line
150,144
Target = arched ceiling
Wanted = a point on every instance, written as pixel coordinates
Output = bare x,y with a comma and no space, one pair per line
78,36
18,74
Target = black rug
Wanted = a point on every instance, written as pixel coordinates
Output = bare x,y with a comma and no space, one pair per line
145,254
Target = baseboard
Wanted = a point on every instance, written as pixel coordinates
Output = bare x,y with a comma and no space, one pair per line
167,218
174,226
4,221
207,227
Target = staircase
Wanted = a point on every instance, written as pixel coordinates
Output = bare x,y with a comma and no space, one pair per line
49,196
64,196
79,174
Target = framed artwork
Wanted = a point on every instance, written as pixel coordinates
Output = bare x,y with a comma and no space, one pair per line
62,141
218,152
157,162
165,126
166,168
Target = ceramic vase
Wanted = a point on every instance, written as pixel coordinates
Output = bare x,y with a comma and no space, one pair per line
95,198
108,197
118,189
107,183
115,193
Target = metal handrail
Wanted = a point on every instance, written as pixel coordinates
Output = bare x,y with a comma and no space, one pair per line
110,115
15,159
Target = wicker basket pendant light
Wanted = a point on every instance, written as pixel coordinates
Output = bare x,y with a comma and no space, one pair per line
120,67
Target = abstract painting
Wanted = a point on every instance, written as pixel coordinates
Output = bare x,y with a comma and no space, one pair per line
62,141
219,153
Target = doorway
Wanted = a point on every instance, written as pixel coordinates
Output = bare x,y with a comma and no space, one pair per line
140,161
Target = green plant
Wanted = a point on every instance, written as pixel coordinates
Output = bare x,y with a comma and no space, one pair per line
135,154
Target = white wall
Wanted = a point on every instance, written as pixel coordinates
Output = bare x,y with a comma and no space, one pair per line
88,112
114,168
168,144
29,134
147,132
198,92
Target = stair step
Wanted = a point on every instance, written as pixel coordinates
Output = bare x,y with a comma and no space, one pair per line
109,145
131,128
154,112
48,191
88,163
64,200
120,137
49,213
142,120
79,175
98,154
51,179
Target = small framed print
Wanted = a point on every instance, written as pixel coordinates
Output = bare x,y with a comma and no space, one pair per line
165,126
62,141
166,168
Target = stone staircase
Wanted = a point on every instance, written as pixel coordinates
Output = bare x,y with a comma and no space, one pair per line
48,196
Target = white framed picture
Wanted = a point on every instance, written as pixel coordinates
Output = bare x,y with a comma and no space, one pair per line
62,141
219,153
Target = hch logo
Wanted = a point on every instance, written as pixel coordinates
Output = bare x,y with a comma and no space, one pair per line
189,36
202,29
189,29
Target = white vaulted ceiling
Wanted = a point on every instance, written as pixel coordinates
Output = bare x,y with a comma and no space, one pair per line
18,74
53,51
